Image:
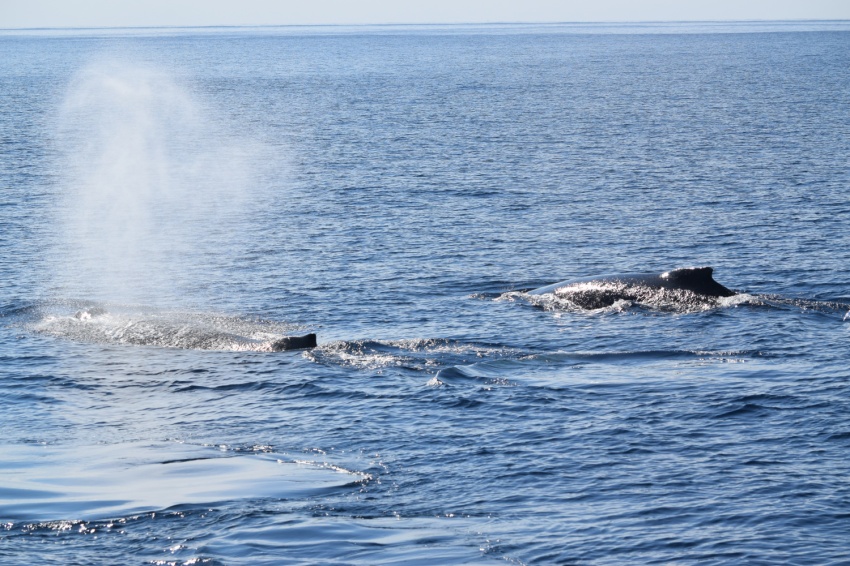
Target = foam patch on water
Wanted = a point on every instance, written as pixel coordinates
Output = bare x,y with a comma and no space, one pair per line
52,483
143,326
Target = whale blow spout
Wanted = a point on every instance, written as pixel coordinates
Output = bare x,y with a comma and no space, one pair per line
295,343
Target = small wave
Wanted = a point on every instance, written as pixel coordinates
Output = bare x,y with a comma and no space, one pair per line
111,324
742,410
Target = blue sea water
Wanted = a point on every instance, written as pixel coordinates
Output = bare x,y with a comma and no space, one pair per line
173,200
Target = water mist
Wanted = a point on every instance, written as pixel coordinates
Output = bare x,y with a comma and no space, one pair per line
151,188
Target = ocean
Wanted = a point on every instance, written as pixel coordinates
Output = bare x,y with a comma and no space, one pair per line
176,200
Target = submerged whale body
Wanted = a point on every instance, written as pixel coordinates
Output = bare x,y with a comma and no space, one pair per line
145,326
689,286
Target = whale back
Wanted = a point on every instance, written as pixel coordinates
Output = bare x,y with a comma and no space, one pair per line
686,284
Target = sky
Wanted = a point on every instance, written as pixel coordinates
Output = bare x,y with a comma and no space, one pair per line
132,13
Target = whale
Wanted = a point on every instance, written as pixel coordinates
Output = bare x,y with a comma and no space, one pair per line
686,285
95,323
295,343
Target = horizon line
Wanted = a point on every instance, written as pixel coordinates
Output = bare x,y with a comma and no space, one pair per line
423,24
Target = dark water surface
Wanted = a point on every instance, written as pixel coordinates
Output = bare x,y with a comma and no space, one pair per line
173,201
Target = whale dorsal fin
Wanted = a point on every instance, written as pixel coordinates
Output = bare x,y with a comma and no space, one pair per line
697,279
689,274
